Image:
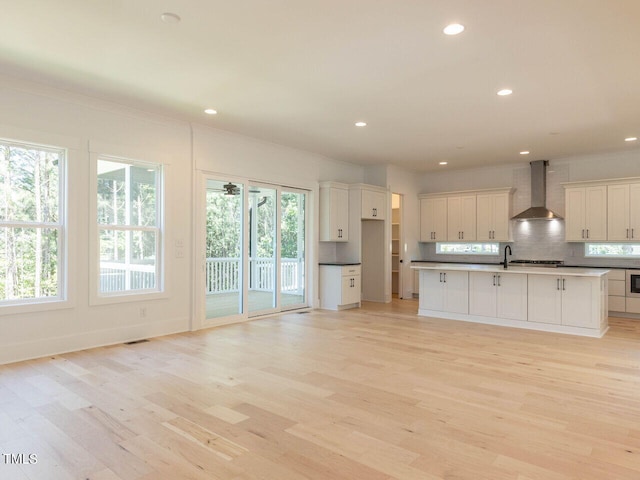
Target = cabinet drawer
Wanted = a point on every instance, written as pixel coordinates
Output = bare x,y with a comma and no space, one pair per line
633,305
616,275
617,288
351,270
617,304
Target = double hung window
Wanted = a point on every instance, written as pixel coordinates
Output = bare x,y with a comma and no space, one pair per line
32,223
129,217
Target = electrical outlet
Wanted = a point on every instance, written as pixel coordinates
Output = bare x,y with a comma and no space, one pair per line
143,312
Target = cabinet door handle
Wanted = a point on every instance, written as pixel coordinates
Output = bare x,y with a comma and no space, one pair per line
627,233
563,284
632,233
440,277
499,281
583,233
587,233
557,284
494,280
463,235
445,277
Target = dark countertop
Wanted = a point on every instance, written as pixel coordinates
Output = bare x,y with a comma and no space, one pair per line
340,264
567,265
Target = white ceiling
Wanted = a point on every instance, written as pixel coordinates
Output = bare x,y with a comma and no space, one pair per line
301,72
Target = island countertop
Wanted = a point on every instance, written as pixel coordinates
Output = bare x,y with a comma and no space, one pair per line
472,267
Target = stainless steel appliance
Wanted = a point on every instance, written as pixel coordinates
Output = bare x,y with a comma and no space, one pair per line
633,283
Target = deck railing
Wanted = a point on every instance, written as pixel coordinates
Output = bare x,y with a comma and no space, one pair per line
223,275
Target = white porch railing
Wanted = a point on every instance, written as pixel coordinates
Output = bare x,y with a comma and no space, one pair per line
223,275
118,277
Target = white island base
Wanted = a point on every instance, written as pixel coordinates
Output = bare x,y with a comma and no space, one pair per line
561,300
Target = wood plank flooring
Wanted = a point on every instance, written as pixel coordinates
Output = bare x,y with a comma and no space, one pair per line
375,393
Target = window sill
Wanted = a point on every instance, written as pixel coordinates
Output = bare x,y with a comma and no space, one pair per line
35,307
127,297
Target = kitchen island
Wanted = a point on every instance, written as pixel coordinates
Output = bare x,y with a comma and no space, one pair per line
564,300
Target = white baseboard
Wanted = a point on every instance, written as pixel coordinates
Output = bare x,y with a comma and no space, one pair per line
100,338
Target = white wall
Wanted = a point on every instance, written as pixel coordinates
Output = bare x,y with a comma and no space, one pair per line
39,114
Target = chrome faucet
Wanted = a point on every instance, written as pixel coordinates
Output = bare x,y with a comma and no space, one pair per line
505,254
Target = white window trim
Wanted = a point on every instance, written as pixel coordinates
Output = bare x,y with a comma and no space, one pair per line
612,256
96,298
64,298
483,254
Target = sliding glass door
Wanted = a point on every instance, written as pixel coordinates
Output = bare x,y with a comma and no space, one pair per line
254,251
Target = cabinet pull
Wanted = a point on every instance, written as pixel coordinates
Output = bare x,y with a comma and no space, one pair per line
583,233
632,233
462,235
563,284
557,284
494,280
627,233
587,233
499,281
440,277
445,277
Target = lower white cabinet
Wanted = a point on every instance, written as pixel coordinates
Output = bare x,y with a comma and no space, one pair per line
565,300
340,286
444,291
501,295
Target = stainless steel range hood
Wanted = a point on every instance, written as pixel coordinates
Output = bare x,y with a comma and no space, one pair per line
538,210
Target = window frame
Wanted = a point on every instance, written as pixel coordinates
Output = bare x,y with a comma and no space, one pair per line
61,300
99,298
487,254
610,256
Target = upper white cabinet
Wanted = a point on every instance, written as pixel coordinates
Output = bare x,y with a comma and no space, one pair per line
334,212
623,207
433,219
461,218
466,216
374,204
586,213
493,214
603,210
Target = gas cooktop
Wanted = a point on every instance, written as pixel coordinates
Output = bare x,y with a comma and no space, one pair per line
537,263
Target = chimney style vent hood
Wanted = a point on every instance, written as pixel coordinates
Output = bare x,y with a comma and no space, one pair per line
538,210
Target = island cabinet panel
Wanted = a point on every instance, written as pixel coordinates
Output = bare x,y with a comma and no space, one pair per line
461,218
445,291
565,300
433,219
501,295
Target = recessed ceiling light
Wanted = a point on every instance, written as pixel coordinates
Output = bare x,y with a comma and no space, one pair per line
210,111
361,124
453,29
504,92
630,139
443,163
525,152
169,17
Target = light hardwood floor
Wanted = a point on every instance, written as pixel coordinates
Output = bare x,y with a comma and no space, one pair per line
374,394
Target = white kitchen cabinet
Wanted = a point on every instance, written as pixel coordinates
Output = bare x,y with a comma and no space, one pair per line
433,219
623,207
340,286
493,212
500,295
334,212
586,213
444,291
565,300
374,204
461,218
